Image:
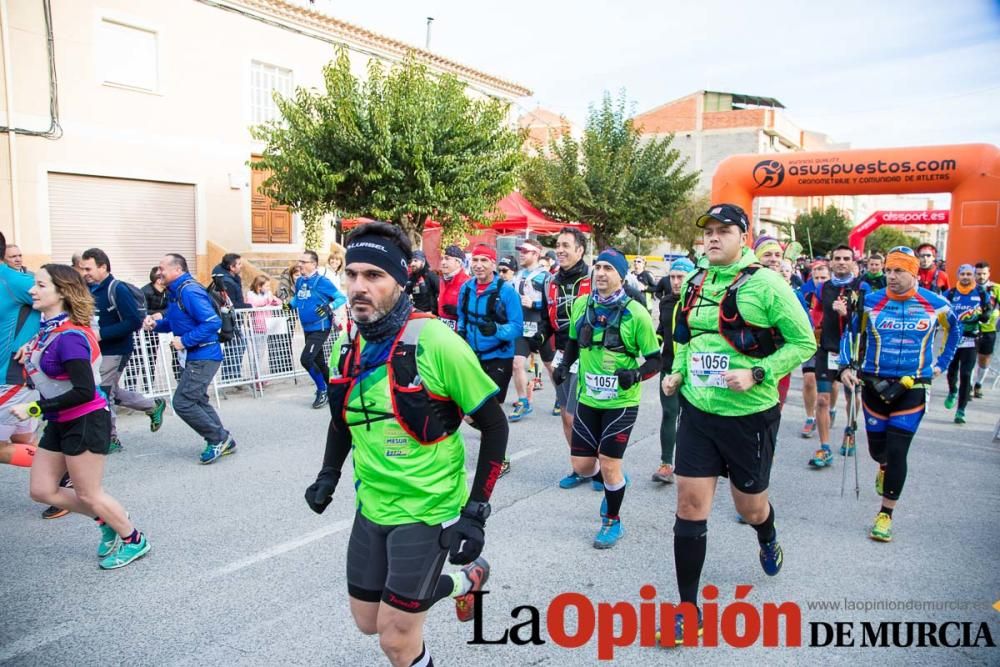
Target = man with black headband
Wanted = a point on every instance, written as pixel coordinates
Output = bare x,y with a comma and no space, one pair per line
413,505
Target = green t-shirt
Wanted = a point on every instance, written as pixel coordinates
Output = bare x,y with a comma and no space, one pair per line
398,480
596,385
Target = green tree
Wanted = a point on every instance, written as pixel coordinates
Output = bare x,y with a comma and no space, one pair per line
404,145
825,229
884,239
680,228
612,179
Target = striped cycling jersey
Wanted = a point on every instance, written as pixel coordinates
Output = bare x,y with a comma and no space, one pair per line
898,334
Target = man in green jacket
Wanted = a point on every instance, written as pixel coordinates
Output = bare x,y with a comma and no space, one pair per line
727,372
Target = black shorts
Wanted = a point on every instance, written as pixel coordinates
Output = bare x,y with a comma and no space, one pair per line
523,347
398,565
825,375
89,433
740,448
809,366
602,431
500,371
986,343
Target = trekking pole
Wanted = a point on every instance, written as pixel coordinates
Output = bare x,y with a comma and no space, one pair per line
850,431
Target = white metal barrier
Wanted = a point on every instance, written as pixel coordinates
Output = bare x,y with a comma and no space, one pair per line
267,348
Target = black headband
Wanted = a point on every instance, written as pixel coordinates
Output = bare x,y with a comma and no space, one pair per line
372,249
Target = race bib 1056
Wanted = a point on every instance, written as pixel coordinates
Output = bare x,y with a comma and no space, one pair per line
707,369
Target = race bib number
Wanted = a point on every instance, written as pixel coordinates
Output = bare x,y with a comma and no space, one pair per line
707,369
530,329
557,359
452,324
967,341
832,360
601,387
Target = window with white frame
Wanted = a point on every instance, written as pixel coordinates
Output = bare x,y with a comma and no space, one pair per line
129,56
264,80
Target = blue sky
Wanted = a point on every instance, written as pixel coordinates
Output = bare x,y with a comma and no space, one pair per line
875,73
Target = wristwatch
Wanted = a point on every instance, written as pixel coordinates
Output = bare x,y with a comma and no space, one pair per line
758,374
477,510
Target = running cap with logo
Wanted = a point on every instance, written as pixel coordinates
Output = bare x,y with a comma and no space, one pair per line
506,262
531,245
903,258
615,259
727,214
484,250
381,252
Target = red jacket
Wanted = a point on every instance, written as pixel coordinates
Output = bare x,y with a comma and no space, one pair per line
928,278
448,299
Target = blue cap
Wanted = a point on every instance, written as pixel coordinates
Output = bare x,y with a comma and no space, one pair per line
682,264
615,259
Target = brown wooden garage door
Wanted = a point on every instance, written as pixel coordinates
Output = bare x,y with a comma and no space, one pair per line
134,221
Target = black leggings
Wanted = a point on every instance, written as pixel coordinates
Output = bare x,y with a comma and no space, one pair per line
312,354
961,367
500,371
890,429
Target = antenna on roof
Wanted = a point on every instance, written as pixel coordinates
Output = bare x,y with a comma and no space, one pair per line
427,42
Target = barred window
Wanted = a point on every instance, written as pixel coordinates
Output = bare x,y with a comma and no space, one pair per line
264,80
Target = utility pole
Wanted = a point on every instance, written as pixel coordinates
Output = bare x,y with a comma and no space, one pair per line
427,42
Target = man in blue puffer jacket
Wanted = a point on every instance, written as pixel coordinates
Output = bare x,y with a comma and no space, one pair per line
192,318
315,299
490,319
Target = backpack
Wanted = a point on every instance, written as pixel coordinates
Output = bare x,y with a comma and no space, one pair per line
223,308
135,293
491,314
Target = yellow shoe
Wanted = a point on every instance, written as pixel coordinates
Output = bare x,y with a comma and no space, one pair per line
882,530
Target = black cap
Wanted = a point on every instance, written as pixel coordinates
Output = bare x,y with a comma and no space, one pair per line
506,262
727,214
456,252
551,254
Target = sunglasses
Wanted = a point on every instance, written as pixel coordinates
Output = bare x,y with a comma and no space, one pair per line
907,251
926,254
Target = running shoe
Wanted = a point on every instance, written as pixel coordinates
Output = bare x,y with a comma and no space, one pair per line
126,553
879,480
597,486
478,572
847,449
109,541
679,632
977,391
320,400
521,410
959,416
833,417
115,446
604,500
740,519
771,557
571,481
822,458
504,468
556,409
53,512
949,402
664,474
809,428
156,415
537,384
212,452
882,530
611,531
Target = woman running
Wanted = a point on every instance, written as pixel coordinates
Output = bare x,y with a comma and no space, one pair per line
63,361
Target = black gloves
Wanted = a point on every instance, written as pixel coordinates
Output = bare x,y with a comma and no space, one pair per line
627,378
468,540
320,492
488,328
559,374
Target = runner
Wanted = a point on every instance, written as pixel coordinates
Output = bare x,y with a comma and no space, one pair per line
63,362
608,332
669,295
874,275
453,276
896,367
770,254
728,377
819,272
489,319
315,300
572,280
931,277
413,504
833,302
971,305
988,330
531,285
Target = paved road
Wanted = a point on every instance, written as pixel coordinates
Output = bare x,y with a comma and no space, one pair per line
241,572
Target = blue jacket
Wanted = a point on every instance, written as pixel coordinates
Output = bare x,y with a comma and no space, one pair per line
15,309
472,311
312,292
197,324
116,326
900,335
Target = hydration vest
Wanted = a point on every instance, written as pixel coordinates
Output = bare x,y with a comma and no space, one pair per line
50,387
557,294
424,416
742,336
492,313
612,339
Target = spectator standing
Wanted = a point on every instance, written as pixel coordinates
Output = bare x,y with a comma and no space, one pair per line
259,296
226,277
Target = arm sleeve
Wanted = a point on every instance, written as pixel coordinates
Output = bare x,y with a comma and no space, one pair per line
492,422
338,444
571,353
81,374
202,312
128,312
515,315
787,316
680,349
650,365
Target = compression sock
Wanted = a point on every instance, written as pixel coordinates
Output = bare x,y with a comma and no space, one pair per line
690,545
980,374
452,585
886,510
597,477
614,494
23,455
424,659
765,530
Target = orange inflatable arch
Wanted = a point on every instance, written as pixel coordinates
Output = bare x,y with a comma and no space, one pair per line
970,172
